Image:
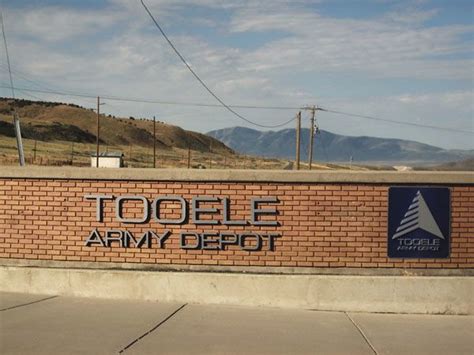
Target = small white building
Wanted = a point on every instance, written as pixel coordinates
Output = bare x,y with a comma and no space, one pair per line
108,160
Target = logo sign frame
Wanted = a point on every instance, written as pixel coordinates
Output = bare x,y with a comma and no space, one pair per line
419,222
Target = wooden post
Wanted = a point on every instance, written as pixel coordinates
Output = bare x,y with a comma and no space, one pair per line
311,138
98,133
210,154
72,152
154,142
34,152
298,139
189,157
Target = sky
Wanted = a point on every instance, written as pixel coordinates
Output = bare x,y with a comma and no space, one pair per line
408,61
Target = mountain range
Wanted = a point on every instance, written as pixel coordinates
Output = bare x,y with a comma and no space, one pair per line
334,147
53,121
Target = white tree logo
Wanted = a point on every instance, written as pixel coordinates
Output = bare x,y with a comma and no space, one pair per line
418,216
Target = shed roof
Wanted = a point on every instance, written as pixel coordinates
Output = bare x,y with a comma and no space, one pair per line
108,155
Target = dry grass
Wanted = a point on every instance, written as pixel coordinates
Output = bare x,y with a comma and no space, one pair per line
59,153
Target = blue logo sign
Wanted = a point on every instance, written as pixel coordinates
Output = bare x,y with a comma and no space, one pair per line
418,222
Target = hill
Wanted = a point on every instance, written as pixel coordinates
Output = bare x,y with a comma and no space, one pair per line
333,147
65,134
49,121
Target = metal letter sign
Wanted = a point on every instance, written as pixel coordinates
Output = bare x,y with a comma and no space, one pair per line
150,210
418,222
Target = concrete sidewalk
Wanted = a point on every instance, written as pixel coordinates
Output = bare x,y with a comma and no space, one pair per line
35,324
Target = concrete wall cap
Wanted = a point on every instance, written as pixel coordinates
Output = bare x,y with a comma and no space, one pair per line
315,176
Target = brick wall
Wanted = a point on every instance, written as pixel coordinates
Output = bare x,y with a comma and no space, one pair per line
321,224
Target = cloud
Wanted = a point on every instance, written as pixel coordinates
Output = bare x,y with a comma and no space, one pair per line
375,47
411,12
53,23
116,50
462,101
313,43
450,109
412,15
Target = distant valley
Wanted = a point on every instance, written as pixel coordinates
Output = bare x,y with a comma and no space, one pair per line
330,147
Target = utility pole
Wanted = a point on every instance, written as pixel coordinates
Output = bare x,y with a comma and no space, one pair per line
311,136
154,142
298,138
98,132
16,119
19,142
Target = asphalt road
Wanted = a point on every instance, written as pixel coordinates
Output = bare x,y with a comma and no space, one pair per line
41,324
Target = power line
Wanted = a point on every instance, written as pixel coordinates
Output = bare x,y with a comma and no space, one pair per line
256,124
8,56
32,96
37,83
182,103
222,103
146,101
397,122
16,119
204,85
